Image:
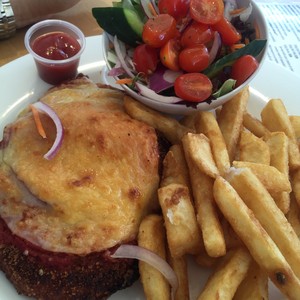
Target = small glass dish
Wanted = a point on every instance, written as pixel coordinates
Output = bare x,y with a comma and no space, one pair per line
56,47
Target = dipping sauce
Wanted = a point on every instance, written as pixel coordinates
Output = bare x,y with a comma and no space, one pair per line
56,47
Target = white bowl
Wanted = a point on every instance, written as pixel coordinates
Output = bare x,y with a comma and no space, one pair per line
256,19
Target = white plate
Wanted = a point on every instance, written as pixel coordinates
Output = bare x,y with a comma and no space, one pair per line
20,85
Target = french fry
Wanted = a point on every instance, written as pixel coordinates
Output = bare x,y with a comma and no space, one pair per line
206,123
295,121
170,127
293,215
179,265
224,281
295,179
255,284
257,198
253,149
230,120
254,125
152,236
272,179
275,117
183,233
207,214
197,148
260,245
282,200
175,167
189,120
278,145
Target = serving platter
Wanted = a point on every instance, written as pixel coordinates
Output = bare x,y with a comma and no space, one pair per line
20,85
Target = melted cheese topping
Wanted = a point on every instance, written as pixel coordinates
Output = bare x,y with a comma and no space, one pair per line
95,191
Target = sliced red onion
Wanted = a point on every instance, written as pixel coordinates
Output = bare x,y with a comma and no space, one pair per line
154,4
110,37
121,54
215,47
229,6
146,8
148,256
59,128
116,71
185,22
245,14
130,62
130,52
145,91
162,79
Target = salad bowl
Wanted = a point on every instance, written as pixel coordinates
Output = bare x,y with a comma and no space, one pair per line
144,94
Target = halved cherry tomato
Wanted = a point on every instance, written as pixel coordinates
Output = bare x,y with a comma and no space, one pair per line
243,68
195,34
228,32
158,30
145,59
206,11
195,87
169,54
176,8
194,59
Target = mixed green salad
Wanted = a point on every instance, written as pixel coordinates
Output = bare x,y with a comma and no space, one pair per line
180,51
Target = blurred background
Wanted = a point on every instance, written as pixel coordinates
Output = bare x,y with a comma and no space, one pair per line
80,15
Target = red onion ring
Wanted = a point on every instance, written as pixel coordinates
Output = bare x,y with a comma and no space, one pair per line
228,7
154,4
121,54
59,128
145,91
215,47
145,5
148,256
245,14
162,78
116,71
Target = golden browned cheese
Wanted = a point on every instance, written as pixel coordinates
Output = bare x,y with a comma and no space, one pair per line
94,192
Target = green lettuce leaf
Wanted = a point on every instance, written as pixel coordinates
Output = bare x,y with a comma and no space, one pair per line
226,87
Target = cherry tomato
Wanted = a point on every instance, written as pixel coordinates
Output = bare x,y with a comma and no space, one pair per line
169,54
145,59
158,30
195,34
206,11
243,68
194,59
176,8
228,32
195,87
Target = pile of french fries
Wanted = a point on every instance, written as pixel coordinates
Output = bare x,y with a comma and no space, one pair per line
229,198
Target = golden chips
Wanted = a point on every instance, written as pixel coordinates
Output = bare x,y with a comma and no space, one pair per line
230,196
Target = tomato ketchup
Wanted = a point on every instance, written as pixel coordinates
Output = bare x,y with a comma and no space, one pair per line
56,47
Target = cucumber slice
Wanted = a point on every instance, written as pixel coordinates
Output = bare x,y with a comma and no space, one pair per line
123,22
